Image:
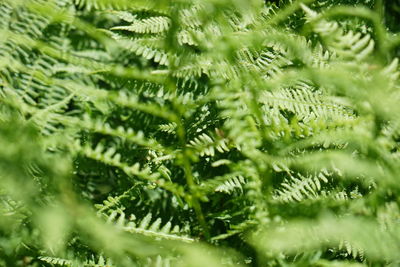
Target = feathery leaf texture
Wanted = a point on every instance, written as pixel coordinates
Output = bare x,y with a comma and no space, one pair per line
199,133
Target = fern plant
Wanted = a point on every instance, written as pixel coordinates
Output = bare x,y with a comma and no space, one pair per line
199,133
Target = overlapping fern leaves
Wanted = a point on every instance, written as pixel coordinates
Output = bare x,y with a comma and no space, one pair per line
198,133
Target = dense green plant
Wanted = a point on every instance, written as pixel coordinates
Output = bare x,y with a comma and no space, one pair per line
199,133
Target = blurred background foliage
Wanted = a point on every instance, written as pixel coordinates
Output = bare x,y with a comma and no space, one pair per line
199,133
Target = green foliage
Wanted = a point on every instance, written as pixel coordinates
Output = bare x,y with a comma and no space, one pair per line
199,133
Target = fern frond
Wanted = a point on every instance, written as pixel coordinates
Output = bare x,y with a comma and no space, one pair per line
64,262
300,188
305,103
231,185
201,132
348,45
206,145
148,227
352,251
110,157
56,261
168,128
148,25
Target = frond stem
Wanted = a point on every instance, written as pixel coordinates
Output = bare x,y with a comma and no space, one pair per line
190,180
